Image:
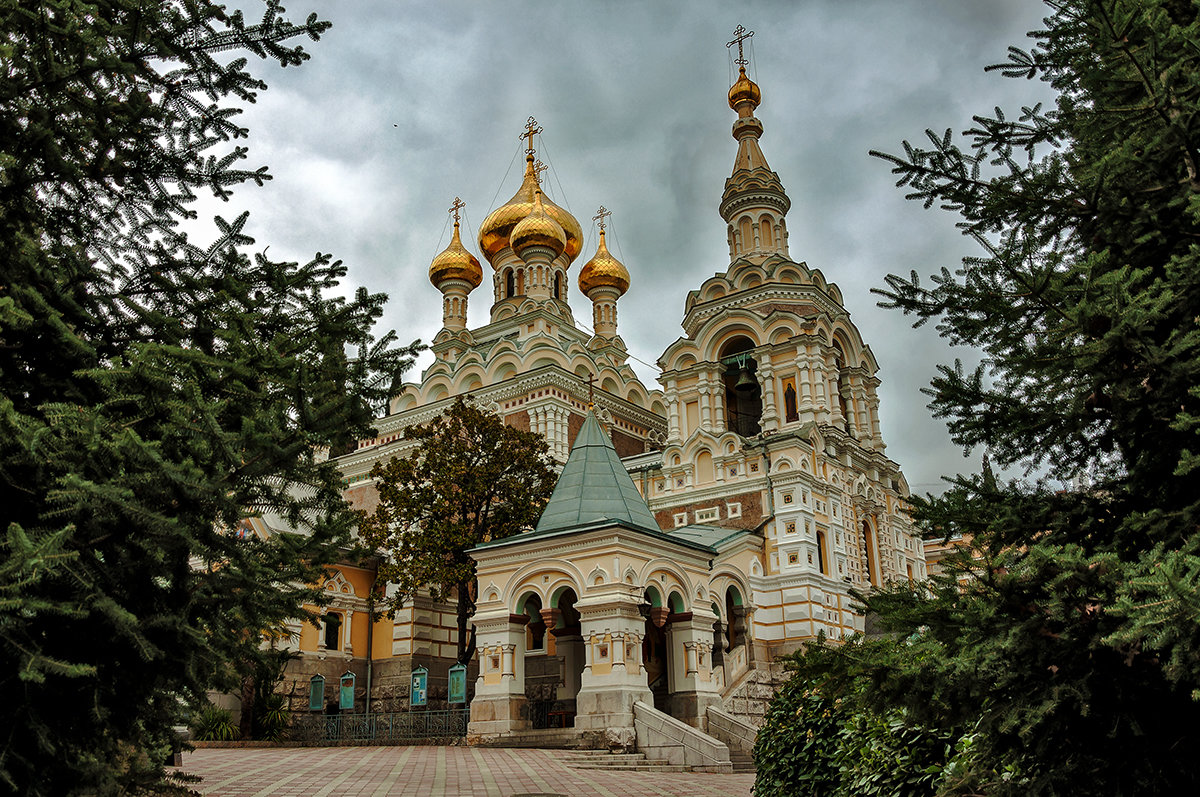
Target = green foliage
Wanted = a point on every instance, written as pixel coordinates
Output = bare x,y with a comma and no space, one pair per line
470,479
820,741
154,390
1064,634
271,718
213,724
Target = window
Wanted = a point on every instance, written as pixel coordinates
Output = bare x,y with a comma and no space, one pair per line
733,510
510,284
821,565
706,515
333,631
681,519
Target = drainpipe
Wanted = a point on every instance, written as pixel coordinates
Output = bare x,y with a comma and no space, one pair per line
370,641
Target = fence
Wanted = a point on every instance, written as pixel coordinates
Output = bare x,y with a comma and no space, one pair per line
402,727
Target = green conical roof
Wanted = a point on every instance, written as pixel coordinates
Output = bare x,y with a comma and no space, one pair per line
594,486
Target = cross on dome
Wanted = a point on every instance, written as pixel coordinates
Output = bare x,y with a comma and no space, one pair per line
601,214
532,128
457,205
740,35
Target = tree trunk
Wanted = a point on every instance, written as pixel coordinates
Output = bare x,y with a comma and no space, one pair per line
466,640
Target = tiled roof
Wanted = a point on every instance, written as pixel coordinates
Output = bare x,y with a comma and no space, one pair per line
594,486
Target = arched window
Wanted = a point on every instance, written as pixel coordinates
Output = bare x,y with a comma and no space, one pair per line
743,394
333,631
510,284
764,232
822,564
558,291
869,553
843,387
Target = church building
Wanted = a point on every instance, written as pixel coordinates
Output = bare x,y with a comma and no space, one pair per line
700,528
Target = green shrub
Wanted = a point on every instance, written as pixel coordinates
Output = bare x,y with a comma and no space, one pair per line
213,724
818,741
272,719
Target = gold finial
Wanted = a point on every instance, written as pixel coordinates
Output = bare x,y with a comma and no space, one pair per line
455,207
740,34
538,168
532,128
601,214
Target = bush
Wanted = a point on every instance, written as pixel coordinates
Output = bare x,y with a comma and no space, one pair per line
213,724
819,742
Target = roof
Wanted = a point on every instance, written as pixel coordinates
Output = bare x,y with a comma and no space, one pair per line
594,486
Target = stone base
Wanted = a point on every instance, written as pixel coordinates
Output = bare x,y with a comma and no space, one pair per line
603,709
692,707
498,715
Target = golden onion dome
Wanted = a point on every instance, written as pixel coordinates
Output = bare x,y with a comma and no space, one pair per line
455,263
744,90
497,228
538,229
603,270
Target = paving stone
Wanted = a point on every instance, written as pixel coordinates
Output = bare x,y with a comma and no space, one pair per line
417,771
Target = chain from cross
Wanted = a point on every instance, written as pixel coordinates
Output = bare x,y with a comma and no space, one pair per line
457,206
532,128
538,168
740,35
601,214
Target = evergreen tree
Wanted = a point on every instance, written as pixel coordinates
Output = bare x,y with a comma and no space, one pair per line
470,479
1062,648
153,391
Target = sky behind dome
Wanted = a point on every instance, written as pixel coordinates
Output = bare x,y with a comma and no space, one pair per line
406,105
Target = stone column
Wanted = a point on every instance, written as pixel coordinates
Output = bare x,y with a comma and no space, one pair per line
705,406
720,422
694,687
673,434
499,706
613,677
766,377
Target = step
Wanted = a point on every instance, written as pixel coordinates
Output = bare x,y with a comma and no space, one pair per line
648,766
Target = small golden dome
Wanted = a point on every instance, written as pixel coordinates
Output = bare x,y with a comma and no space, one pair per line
603,270
455,262
538,229
744,90
497,228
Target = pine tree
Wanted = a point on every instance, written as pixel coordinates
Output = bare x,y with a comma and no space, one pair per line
153,391
1063,647
471,478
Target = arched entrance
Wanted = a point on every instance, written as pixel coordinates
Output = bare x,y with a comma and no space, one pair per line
656,656
563,665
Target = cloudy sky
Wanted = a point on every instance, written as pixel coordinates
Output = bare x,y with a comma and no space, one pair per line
405,105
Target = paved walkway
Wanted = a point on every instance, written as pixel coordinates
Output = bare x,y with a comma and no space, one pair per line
434,772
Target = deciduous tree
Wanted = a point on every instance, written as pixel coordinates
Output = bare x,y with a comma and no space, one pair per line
471,478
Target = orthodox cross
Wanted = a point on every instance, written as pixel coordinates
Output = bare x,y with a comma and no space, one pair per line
532,128
457,206
591,398
601,214
538,167
740,35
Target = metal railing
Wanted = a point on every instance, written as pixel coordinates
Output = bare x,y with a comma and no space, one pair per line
428,727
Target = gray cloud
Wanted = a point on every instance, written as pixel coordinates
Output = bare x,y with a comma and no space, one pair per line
406,105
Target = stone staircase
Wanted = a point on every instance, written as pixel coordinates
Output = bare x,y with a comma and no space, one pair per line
742,762
628,762
748,696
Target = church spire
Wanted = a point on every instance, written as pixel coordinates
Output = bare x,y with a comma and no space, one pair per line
754,203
